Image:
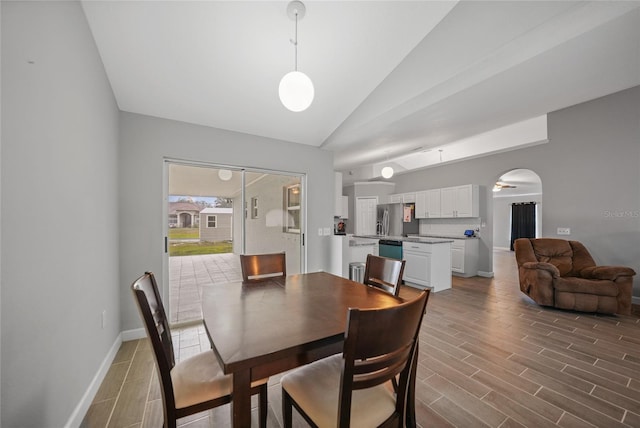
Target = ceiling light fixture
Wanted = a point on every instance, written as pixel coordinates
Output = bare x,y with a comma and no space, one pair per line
224,174
296,89
387,172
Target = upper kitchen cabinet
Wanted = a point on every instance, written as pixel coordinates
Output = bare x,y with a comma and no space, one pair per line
341,203
460,201
428,203
395,198
401,197
408,197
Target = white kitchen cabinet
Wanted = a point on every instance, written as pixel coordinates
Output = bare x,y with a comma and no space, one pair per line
409,197
464,257
433,203
428,203
427,265
344,252
395,198
421,204
460,201
457,256
341,203
345,207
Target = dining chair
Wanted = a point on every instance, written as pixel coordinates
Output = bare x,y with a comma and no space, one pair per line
353,388
258,267
384,273
195,384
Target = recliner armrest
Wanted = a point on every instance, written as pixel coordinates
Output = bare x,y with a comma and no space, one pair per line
606,272
555,273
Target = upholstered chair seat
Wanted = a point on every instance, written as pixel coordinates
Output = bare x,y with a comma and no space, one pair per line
316,388
199,379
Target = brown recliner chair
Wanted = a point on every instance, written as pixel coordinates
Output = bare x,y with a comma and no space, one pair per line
562,274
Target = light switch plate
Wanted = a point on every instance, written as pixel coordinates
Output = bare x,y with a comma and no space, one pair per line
319,231
326,231
564,231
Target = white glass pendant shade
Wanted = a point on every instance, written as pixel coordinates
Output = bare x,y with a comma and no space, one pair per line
225,174
387,172
296,91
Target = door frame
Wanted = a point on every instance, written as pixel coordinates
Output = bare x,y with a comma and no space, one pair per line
166,161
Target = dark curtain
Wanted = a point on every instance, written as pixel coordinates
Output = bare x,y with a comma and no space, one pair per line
523,221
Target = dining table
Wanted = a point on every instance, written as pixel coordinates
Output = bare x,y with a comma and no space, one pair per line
260,329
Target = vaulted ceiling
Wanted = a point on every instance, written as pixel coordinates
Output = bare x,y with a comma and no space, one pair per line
391,78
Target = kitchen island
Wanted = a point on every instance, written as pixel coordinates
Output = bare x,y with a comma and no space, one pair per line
346,249
427,261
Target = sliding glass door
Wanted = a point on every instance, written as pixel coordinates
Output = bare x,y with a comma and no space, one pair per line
216,213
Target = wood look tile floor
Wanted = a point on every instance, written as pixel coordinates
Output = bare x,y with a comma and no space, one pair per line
489,357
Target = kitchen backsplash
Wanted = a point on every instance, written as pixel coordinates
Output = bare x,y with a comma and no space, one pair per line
448,226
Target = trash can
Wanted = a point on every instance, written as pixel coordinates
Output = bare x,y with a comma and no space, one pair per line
356,271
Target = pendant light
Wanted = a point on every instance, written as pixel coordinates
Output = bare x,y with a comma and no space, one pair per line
387,171
296,89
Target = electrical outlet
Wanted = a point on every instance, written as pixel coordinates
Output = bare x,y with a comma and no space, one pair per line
564,231
326,231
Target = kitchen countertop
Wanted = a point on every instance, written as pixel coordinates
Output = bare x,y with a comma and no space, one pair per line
358,243
447,236
422,239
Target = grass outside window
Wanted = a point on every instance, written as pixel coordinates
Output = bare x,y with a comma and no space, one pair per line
184,241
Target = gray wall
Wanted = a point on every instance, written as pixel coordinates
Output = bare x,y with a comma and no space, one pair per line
590,179
59,212
146,141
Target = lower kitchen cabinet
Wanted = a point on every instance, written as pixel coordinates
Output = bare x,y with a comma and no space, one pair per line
345,249
464,257
427,265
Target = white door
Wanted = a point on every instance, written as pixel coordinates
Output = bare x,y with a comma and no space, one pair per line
366,216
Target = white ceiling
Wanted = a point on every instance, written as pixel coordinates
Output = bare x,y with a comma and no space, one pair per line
391,77
525,182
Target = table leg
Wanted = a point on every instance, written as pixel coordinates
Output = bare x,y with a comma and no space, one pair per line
241,401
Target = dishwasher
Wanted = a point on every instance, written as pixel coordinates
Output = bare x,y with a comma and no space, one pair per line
390,248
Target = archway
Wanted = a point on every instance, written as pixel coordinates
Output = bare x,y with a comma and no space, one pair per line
514,187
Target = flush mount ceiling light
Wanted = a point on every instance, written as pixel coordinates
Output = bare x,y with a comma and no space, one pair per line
224,174
296,89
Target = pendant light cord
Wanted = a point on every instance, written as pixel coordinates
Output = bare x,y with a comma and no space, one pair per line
295,44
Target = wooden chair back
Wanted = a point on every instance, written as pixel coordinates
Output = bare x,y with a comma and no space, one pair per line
149,302
384,273
379,345
258,267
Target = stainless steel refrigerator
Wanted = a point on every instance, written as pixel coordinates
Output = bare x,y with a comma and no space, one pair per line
396,220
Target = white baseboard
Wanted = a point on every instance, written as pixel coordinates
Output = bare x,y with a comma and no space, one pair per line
138,333
83,406
485,274
85,402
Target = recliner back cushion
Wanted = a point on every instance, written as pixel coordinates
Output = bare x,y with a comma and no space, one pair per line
558,252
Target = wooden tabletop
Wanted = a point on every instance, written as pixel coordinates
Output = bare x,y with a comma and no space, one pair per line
260,329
